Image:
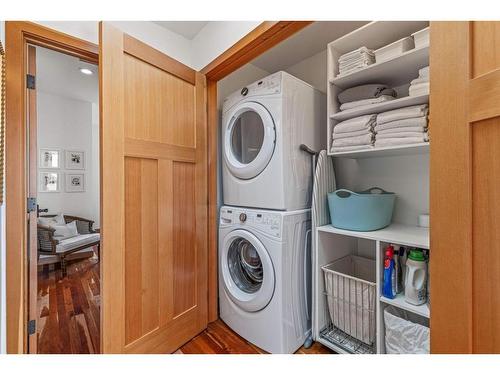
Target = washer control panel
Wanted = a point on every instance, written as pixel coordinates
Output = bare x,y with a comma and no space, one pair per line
265,221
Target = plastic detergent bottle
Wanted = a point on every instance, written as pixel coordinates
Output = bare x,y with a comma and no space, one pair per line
389,284
416,278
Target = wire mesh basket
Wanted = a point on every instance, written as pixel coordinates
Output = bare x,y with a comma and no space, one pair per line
351,296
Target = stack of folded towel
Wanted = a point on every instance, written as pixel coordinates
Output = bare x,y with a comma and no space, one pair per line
403,126
354,134
420,85
355,60
363,95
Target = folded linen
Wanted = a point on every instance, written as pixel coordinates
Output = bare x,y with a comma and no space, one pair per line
401,135
406,129
361,92
419,89
399,141
419,80
365,102
366,139
351,148
406,122
403,113
355,124
424,72
356,133
357,52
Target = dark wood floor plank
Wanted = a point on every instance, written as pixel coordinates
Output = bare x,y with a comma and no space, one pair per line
218,338
69,308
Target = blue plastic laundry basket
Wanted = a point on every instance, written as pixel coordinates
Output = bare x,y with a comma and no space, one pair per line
364,211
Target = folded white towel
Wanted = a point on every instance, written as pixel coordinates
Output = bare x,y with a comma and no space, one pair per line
424,72
351,148
407,122
419,80
357,52
366,139
401,135
365,102
403,113
399,141
407,129
355,124
352,134
419,89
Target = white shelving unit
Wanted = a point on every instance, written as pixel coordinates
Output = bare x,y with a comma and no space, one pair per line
396,72
332,243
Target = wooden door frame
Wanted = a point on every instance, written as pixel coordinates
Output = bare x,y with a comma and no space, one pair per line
18,34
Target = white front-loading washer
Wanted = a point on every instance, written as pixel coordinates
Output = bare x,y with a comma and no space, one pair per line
264,276
263,126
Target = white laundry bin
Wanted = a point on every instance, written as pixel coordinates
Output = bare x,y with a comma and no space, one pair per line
351,296
405,333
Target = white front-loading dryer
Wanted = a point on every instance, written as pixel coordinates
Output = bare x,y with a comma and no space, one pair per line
263,126
264,276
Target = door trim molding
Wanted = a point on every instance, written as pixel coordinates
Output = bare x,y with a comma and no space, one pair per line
17,36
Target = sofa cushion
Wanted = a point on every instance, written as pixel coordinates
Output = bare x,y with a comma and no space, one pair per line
55,220
77,241
65,231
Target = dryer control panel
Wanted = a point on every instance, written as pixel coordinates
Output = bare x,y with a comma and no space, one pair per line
266,86
265,221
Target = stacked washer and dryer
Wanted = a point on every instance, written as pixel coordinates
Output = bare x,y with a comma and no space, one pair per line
265,223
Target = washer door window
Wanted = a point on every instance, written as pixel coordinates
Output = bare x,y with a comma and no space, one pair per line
247,271
249,140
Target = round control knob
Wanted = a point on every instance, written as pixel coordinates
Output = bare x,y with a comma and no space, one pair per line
243,217
244,91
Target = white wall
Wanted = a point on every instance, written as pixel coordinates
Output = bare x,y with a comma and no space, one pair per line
66,124
311,70
216,37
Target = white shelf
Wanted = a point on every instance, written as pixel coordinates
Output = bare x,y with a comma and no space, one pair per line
400,234
380,107
415,149
394,72
399,301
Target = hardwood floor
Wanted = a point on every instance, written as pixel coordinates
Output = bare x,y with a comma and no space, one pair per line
218,338
68,320
68,308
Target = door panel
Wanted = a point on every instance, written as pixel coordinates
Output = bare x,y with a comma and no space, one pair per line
465,175
154,120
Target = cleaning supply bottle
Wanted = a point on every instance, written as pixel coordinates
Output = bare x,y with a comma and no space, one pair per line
389,279
399,252
416,278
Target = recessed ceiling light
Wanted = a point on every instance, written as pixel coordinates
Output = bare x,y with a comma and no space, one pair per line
86,71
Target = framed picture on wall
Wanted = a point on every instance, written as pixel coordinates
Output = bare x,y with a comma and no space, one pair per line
49,158
49,182
75,159
75,182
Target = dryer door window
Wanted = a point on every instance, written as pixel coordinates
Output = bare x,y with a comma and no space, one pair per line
247,271
249,140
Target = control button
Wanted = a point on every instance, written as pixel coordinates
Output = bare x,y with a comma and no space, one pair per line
244,91
243,217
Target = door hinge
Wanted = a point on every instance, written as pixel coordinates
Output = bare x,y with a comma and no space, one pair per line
31,327
30,81
31,204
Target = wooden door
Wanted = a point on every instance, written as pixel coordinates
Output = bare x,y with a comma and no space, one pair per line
154,197
465,193
32,193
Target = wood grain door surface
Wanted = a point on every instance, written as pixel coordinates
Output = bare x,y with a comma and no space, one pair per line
465,187
154,197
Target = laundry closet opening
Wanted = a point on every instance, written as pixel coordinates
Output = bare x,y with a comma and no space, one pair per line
272,249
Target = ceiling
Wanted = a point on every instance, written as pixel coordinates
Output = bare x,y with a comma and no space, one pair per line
306,43
188,29
59,74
